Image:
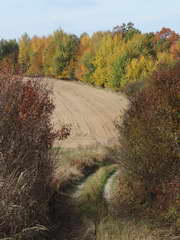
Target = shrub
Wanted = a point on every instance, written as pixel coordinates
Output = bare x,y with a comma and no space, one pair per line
132,88
150,133
26,158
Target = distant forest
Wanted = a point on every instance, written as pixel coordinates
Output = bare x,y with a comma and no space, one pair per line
114,59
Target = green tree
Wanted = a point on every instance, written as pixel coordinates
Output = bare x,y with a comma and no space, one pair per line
65,53
126,30
9,55
8,48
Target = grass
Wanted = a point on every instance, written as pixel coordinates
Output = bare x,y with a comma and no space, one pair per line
89,195
92,189
116,228
36,232
86,171
74,165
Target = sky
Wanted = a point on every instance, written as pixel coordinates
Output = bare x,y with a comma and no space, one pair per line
42,17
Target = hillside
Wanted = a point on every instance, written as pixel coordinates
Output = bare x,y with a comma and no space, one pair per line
90,111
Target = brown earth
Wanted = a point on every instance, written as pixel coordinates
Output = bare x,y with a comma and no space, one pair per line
91,112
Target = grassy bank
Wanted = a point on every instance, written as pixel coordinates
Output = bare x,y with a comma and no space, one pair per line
87,172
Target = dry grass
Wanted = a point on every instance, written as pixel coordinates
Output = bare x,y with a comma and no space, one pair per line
87,215
112,228
74,165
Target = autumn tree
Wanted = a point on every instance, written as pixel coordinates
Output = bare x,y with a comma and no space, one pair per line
164,39
165,58
84,65
126,30
106,56
64,55
36,56
150,131
135,60
24,52
175,50
138,69
48,53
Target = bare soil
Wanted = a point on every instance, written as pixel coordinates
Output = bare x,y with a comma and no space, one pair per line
90,111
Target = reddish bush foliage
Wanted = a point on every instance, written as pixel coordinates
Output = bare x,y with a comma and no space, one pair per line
26,156
9,66
151,133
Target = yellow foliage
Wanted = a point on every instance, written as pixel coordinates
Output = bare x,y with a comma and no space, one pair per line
37,46
134,47
139,68
165,57
48,54
107,54
24,52
175,50
85,46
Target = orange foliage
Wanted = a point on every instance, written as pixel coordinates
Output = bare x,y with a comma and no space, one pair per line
166,34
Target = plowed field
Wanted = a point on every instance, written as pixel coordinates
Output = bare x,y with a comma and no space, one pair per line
90,111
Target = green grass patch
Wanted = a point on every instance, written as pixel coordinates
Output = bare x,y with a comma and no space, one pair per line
74,165
89,196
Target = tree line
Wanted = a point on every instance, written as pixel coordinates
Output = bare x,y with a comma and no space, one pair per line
112,59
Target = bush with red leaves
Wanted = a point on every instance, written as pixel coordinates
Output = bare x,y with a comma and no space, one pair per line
150,134
26,156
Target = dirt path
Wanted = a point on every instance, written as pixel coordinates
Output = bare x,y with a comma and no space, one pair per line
108,193
90,111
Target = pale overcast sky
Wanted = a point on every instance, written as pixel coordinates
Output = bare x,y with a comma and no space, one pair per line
42,17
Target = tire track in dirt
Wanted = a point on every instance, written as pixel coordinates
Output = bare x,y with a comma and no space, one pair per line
103,117
90,111
78,121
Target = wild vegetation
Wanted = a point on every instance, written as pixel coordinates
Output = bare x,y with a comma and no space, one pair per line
118,59
150,145
128,191
26,156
